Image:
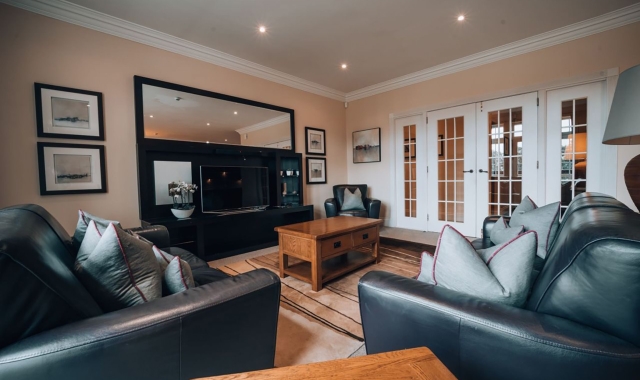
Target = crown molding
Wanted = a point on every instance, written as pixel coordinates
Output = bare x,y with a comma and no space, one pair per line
264,124
88,18
607,21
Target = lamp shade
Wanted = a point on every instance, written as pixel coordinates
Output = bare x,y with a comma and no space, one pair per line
623,126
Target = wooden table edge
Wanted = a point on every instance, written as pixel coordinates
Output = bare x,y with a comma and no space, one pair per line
284,230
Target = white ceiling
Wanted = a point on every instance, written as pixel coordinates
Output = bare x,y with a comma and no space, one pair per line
379,39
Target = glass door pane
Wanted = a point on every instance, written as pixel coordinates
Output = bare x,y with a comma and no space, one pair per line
410,174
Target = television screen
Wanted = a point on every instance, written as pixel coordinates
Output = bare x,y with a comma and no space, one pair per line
233,187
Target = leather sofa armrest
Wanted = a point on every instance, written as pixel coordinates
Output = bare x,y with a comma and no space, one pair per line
485,340
373,207
227,326
158,235
331,207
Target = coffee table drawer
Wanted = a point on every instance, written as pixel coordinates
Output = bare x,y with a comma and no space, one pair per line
365,236
336,244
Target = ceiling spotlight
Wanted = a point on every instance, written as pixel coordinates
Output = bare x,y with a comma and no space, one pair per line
235,112
225,139
207,123
262,29
461,18
344,65
151,116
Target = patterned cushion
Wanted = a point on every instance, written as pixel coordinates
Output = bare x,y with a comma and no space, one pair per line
501,274
177,277
83,222
352,201
543,220
121,271
501,232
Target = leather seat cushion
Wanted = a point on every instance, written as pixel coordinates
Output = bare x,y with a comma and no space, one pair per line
203,276
360,213
194,261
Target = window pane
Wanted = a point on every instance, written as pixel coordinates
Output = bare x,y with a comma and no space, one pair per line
460,212
581,111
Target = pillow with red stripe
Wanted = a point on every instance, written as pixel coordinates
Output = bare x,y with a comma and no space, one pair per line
501,273
177,277
83,223
121,271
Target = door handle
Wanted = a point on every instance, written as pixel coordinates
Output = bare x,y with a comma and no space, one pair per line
482,171
468,171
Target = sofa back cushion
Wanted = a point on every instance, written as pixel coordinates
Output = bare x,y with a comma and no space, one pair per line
38,290
592,273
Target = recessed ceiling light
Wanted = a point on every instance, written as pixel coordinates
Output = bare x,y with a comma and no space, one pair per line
225,139
461,18
151,116
262,29
207,123
344,65
235,112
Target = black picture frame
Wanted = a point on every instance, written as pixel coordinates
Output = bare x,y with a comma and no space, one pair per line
309,162
42,168
356,147
38,87
307,142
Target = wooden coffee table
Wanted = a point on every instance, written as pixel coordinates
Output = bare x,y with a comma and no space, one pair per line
416,363
327,247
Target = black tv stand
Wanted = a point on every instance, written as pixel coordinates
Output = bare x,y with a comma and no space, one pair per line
215,236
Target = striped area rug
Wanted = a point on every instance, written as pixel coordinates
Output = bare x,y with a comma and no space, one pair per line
325,325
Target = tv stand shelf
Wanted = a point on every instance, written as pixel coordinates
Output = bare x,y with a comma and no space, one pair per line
215,236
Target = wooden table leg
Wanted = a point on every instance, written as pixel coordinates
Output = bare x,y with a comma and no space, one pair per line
316,268
284,259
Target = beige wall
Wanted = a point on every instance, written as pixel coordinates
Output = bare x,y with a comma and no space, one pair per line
615,48
35,48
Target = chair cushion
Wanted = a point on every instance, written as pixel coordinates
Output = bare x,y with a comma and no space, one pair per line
543,220
121,271
502,232
83,222
359,213
177,277
501,273
352,200
207,275
163,258
89,242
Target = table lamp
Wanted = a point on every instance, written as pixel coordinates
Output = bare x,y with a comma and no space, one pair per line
623,126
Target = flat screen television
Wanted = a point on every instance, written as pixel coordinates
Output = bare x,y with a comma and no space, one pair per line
226,188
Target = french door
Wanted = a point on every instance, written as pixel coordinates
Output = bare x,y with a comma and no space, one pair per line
411,173
506,154
451,153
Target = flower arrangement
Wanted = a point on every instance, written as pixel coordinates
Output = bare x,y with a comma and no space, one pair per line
182,194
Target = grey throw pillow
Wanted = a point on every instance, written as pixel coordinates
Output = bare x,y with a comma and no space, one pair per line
121,271
543,220
177,277
163,258
502,233
501,274
352,201
83,222
89,242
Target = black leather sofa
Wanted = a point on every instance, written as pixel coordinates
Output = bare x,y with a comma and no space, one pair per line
582,319
51,328
332,206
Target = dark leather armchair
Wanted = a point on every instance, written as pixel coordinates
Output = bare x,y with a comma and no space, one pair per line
51,327
333,205
581,320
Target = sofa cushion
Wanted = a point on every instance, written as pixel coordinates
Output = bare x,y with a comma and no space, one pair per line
501,273
352,200
207,275
162,257
543,220
83,222
89,242
358,213
193,260
177,277
121,271
502,232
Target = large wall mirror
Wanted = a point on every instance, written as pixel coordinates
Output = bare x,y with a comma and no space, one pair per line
168,111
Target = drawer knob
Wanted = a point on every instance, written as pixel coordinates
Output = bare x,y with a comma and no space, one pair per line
337,244
365,236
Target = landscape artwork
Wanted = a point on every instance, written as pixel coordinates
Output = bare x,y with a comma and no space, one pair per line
70,113
316,170
315,141
366,146
71,168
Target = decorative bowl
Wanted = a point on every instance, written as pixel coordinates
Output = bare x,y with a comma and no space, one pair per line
182,214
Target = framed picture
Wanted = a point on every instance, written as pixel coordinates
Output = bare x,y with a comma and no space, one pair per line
314,141
316,170
366,146
68,113
71,169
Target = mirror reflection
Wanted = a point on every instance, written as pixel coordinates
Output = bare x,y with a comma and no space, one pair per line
182,116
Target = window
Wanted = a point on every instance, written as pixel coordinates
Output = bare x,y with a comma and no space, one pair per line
573,175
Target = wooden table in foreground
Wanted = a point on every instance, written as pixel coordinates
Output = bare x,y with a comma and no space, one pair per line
416,363
327,247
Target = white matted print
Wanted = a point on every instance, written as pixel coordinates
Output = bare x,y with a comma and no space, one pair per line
165,172
315,142
71,168
316,170
68,113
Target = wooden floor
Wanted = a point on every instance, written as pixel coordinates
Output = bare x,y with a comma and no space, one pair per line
416,363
